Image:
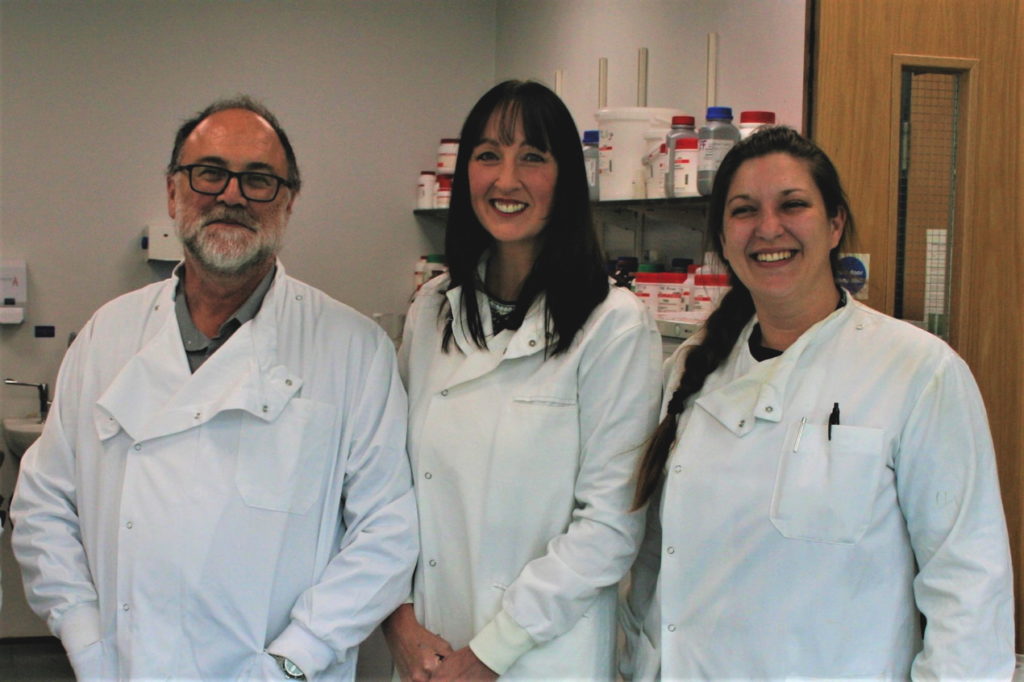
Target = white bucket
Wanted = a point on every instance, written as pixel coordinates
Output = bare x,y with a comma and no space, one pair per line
622,148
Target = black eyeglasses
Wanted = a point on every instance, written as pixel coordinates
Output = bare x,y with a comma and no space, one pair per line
213,180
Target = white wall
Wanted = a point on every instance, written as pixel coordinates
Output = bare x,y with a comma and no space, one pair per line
92,94
760,52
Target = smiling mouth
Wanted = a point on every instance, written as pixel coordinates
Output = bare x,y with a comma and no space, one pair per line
774,256
508,207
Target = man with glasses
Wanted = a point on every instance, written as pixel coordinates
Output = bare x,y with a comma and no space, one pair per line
221,490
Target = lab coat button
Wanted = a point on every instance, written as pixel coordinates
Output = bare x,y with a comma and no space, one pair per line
444,392
678,469
125,607
129,525
287,382
138,446
266,409
860,326
743,422
533,342
671,550
198,414
432,562
671,628
769,409
428,475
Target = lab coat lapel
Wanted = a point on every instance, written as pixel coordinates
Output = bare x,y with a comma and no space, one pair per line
507,345
760,393
156,395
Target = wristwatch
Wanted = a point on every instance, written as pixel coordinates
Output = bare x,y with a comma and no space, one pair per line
290,670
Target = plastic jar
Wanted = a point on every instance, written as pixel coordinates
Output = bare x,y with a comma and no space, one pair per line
443,195
716,138
426,187
752,120
670,292
645,286
446,155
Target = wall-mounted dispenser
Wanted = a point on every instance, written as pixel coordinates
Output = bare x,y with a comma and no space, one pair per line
13,291
161,243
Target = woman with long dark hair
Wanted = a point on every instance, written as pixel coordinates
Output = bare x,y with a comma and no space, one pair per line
533,386
823,480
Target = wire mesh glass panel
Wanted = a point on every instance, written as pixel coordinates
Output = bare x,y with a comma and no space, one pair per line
927,197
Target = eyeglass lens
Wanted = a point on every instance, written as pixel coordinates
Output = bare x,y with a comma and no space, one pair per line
213,180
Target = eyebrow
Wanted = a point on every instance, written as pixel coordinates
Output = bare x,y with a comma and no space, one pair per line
785,193
253,166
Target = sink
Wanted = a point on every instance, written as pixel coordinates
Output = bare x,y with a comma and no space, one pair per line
19,433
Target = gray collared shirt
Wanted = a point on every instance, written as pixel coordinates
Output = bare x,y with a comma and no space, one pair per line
198,347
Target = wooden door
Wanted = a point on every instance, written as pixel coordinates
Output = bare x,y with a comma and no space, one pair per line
857,47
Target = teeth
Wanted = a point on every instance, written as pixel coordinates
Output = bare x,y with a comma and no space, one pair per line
773,256
509,206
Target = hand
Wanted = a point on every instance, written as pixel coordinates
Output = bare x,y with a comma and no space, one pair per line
416,651
463,665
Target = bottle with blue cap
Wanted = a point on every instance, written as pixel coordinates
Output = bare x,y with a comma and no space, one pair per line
715,138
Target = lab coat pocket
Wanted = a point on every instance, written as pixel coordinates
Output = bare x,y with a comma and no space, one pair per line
825,489
281,464
542,427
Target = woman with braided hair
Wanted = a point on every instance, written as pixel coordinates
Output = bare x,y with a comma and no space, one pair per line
822,487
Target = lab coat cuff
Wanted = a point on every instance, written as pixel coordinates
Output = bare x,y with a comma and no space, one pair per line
79,627
500,643
304,649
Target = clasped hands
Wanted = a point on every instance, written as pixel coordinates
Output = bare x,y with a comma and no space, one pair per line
421,655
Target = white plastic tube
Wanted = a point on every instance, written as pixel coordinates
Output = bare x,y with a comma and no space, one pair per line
641,78
602,83
712,91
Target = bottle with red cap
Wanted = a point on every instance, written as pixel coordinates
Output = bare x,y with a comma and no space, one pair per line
682,128
752,120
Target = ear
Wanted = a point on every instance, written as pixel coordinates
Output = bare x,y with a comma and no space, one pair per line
171,189
837,224
292,196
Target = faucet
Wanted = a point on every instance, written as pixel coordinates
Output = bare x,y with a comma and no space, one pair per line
44,395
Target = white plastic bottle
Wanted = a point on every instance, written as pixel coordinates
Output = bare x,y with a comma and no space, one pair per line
716,138
426,187
682,127
752,120
684,168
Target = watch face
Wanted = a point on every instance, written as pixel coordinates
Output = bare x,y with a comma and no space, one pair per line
291,668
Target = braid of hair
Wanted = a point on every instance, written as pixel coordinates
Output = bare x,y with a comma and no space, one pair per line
721,332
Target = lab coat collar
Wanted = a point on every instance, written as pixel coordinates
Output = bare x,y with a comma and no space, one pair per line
760,393
508,344
155,395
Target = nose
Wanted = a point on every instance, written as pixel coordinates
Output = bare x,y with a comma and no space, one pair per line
508,175
232,193
770,225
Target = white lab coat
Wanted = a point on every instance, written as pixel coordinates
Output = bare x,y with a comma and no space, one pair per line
784,554
185,522
524,472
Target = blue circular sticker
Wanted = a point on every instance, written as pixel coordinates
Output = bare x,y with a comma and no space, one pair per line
853,274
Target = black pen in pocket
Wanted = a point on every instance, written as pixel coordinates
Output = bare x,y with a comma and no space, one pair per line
833,419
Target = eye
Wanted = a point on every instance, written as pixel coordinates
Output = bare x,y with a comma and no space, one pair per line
258,180
791,204
740,210
485,155
534,157
211,173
